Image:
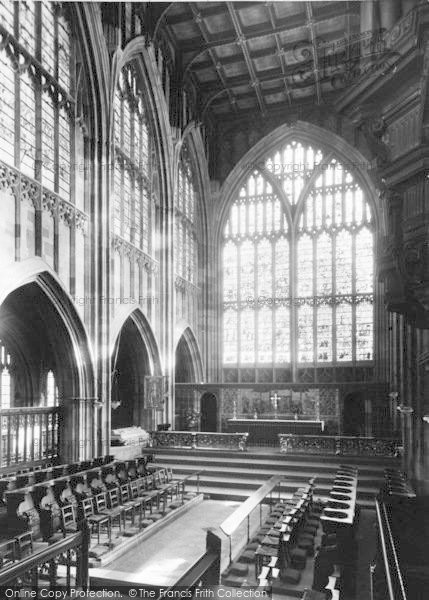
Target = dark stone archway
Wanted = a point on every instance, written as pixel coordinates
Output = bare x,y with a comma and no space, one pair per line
43,332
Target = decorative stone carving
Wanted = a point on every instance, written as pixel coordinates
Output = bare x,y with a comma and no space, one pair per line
50,203
127,249
8,178
335,445
186,286
66,212
30,192
80,220
195,439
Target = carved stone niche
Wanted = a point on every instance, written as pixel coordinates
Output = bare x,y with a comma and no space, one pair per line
369,120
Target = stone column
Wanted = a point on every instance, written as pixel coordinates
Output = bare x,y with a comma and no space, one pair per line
407,438
368,417
390,11
366,16
78,429
423,467
408,5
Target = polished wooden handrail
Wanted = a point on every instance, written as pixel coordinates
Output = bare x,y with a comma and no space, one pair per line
232,522
29,410
394,579
16,570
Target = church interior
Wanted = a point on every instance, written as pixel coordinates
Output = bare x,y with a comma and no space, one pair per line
214,299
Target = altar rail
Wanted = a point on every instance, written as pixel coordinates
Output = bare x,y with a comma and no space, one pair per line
63,565
199,439
28,435
338,445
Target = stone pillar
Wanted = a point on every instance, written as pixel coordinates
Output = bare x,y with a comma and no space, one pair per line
407,438
408,5
390,11
369,27
394,410
423,467
366,16
368,417
79,428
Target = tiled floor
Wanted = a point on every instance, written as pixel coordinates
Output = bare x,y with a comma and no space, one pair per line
165,556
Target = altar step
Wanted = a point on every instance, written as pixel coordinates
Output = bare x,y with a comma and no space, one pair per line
234,476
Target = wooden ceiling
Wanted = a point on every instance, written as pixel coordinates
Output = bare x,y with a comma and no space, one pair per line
258,56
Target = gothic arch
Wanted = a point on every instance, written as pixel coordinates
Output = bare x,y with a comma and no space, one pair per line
76,349
192,138
137,50
330,143
144,329
191,348
134,356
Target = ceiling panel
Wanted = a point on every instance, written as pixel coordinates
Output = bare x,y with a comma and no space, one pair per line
263,53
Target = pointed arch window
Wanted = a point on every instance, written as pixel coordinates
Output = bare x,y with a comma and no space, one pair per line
298,264
185,247
51,390
133,205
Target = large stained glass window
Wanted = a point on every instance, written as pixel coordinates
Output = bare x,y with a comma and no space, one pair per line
298,265
133,207
185,247
30,95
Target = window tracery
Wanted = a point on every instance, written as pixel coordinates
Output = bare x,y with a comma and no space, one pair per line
43,94
133,205
298,283
185,222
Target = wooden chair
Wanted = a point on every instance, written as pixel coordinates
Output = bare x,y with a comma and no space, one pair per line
96,521
150,490
26,545
113,507
128,506
69,519
8,553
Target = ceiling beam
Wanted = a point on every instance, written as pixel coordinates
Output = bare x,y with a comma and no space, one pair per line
265,76
212,11
280,52
265,52
202,27
298,109
313,40
287,25
243,44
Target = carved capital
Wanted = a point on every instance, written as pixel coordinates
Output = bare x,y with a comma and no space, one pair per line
370,121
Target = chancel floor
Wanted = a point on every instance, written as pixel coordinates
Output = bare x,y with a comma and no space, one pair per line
172,550
164,557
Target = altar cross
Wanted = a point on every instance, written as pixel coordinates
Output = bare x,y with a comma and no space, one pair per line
275,400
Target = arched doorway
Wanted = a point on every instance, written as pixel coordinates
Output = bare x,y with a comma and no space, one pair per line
134,357
353,415
208,408
188,369
47,345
